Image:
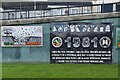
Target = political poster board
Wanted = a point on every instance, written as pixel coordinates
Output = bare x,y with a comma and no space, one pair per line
17,36
118,37
80,42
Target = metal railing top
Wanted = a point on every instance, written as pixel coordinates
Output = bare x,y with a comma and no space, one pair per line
65,7
61,11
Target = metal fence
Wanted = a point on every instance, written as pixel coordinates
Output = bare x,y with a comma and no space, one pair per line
62,11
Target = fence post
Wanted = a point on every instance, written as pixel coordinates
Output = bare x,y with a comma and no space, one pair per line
91,9
8,16
28,14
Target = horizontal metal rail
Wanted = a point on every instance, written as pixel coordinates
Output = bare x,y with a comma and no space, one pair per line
62,11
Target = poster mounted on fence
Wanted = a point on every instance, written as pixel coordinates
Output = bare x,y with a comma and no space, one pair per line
16,36
117,37
80,42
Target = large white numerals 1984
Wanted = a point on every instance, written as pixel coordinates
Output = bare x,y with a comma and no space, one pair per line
95,42
68,41
75,42
86,42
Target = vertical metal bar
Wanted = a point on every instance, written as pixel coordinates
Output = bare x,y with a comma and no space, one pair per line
82,10
91,9
27,11
41,10
15,15
8,16
97,8
34,8
44,13
79,11
20,11
61,9
28,14
68,9
101,8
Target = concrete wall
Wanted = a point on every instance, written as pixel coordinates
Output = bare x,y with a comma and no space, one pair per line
42,54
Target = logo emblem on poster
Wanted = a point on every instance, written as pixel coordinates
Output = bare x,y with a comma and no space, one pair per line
57,42
105,42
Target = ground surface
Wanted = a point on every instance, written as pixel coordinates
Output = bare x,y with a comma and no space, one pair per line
35,70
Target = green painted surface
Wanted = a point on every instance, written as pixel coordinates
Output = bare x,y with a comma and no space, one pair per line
42,54
34,70
117,36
